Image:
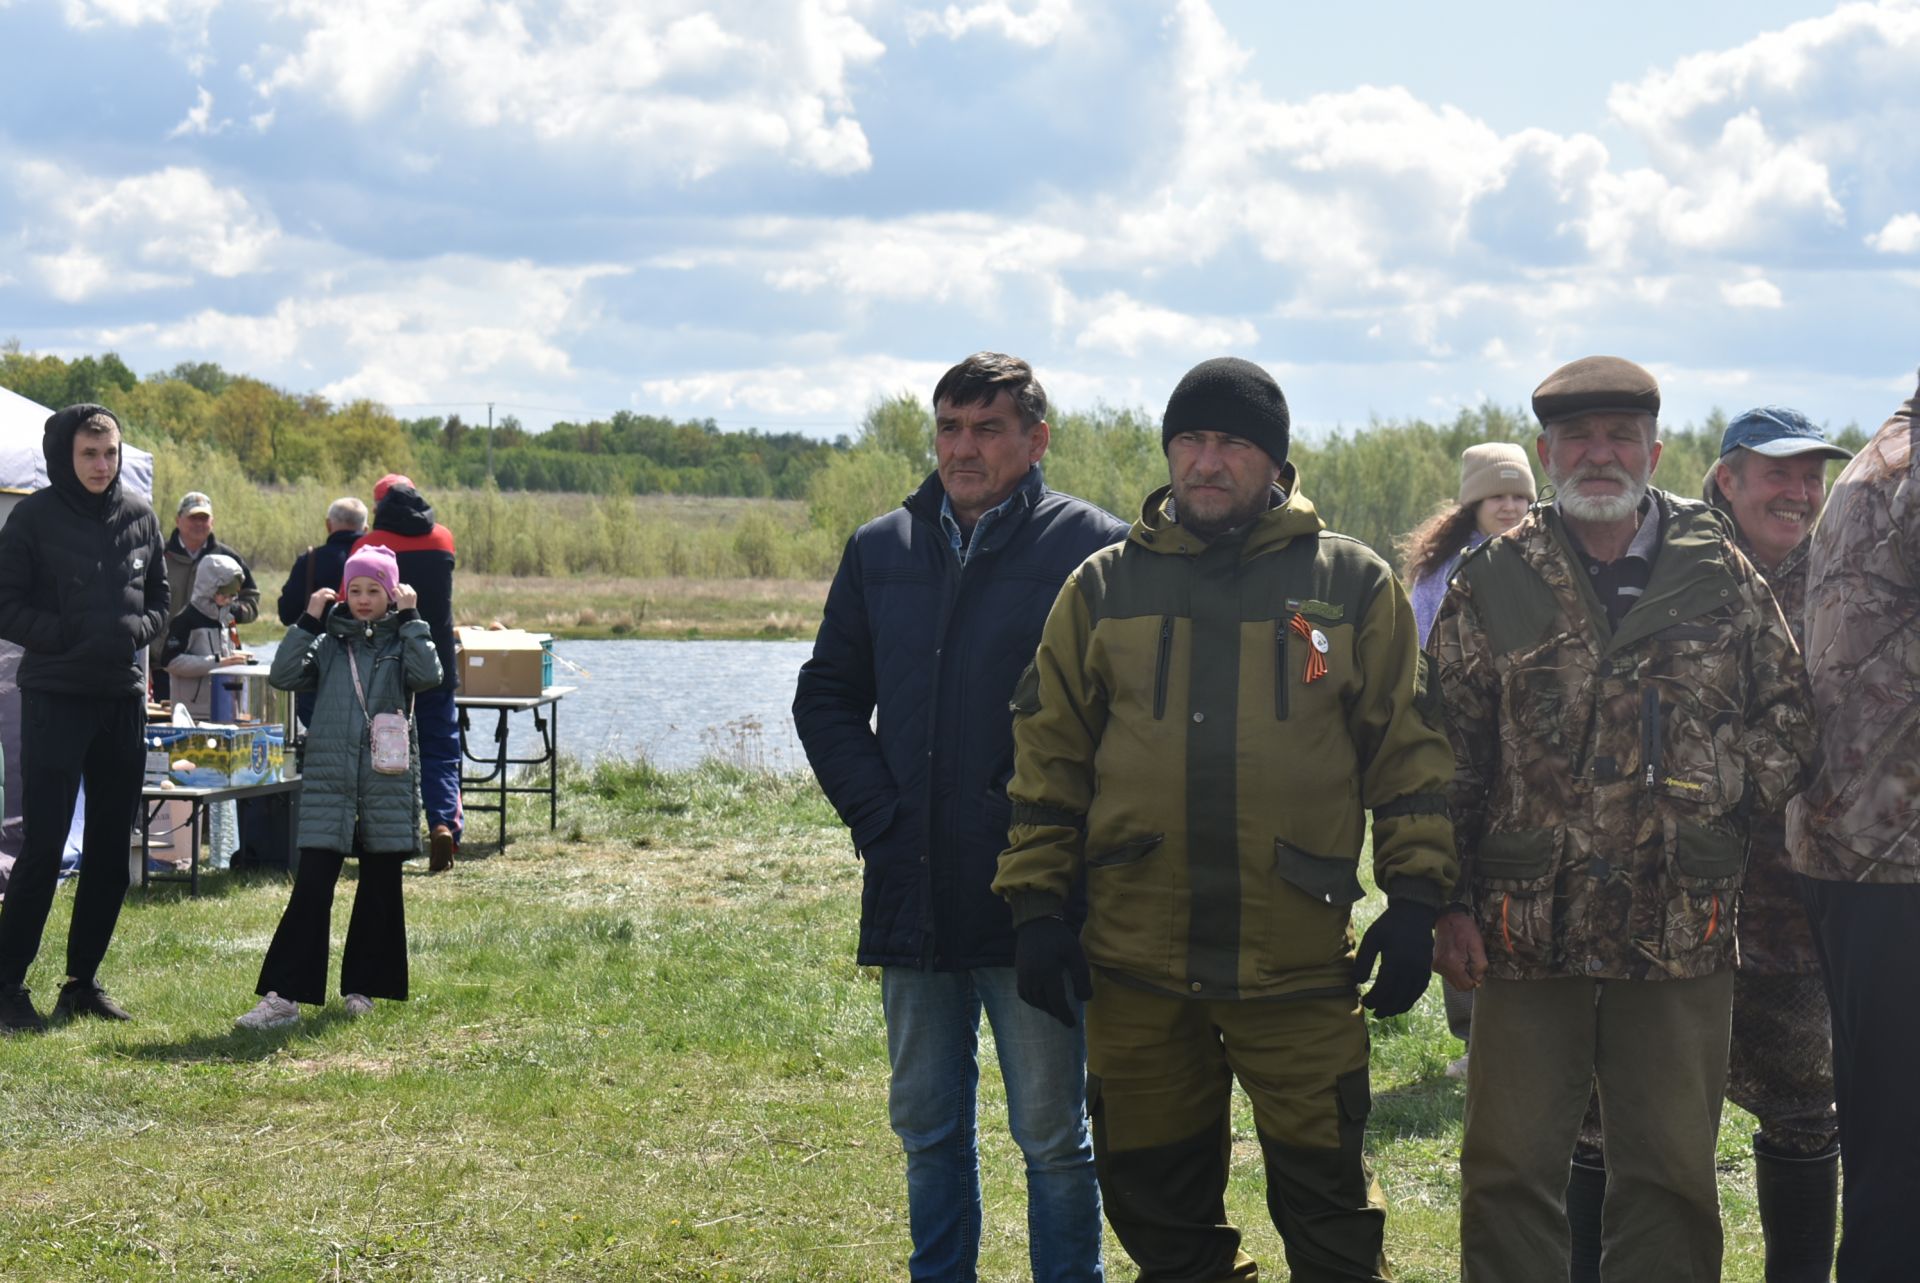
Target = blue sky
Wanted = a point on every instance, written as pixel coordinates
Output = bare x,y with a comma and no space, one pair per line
771,212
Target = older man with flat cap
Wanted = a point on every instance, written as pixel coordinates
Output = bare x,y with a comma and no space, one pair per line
1624,697
1770,479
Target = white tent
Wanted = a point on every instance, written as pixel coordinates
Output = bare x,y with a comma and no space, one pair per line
23,464
23,469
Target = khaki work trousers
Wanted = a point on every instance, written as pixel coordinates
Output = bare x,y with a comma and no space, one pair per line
1160,1088
1656,1050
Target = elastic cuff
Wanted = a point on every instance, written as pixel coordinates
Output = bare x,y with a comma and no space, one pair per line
1028,905
307,623
410,613
1416,891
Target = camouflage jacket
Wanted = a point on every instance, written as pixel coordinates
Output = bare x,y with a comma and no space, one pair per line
1203,731
1775,938
1859,820
1604,778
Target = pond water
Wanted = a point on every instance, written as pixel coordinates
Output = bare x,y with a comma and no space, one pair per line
676,702
680,701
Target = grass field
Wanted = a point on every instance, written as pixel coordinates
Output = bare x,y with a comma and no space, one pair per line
638,1049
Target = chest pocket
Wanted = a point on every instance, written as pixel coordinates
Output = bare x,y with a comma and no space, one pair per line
1692,716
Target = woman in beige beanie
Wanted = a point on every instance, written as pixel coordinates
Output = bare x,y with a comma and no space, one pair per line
1496,487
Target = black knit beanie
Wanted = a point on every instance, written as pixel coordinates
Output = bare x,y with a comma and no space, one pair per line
1234,396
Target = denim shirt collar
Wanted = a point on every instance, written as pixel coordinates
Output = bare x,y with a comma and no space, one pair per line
963,547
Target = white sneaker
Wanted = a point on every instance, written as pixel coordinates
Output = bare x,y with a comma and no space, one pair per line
1457,1068
271,1012
358,1004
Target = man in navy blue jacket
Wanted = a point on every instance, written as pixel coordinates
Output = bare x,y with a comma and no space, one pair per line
935,611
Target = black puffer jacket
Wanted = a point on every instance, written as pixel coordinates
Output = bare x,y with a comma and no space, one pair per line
83,586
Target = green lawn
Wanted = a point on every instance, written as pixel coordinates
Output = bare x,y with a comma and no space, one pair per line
638,1050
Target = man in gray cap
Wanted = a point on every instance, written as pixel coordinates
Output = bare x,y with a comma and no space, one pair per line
1771,480
1215,707
192,539
1623,697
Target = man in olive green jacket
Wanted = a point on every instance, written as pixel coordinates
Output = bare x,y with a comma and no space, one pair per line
1214,706
1623,698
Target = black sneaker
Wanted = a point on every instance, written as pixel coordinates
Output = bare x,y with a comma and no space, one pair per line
17,1015
86,998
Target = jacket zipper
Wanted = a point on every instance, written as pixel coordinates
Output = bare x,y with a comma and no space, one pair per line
1650,732
1280,683
1160,667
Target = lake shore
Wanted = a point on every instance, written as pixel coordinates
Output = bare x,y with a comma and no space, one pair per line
604,607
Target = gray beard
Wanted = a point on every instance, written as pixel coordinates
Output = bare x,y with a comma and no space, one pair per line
1604,509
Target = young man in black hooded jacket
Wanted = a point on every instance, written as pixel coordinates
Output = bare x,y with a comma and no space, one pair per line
83,589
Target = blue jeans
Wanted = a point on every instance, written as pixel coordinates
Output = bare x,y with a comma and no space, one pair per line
933,1037
437,723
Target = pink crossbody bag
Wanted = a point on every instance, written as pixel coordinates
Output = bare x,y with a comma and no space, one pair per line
387,733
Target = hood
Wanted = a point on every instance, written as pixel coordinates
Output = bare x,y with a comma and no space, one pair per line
56,442
214,571
1292,514
403,511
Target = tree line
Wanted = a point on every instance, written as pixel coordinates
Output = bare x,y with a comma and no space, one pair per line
279,437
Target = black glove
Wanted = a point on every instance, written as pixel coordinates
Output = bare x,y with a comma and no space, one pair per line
1402,938
1044,951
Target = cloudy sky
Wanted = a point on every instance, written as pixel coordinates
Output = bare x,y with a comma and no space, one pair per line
771,211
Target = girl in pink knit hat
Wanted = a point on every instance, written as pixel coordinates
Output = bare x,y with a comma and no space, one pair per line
363,656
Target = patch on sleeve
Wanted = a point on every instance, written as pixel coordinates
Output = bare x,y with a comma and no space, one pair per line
1026,692
1426,695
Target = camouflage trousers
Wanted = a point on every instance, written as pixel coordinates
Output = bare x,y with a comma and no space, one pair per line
1780,1068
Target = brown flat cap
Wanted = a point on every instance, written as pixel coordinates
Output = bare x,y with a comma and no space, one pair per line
1593,384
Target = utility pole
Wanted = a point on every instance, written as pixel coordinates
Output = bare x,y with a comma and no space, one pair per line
489,441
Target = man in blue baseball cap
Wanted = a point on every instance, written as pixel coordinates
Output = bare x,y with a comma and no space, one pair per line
1772,479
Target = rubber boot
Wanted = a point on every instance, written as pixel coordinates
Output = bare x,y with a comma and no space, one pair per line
1586,1193
1797,1197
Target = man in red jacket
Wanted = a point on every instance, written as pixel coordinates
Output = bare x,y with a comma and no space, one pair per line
403,522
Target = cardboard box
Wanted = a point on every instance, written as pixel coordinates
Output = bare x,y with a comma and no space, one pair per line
215,756
504,663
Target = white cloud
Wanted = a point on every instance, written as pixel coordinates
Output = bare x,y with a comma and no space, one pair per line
1117,323
841,388
198,119
426,332
142,232
1037,23
1901,235
135,13
1758,292
675,85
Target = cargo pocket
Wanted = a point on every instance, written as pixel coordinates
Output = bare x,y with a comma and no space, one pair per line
1513,879
1326,879
1130,906
1300,917
1706,865
1131,853
1356,1102
1707,859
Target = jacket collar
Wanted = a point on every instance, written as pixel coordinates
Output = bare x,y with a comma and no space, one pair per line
924,503
1690,575
1158,528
